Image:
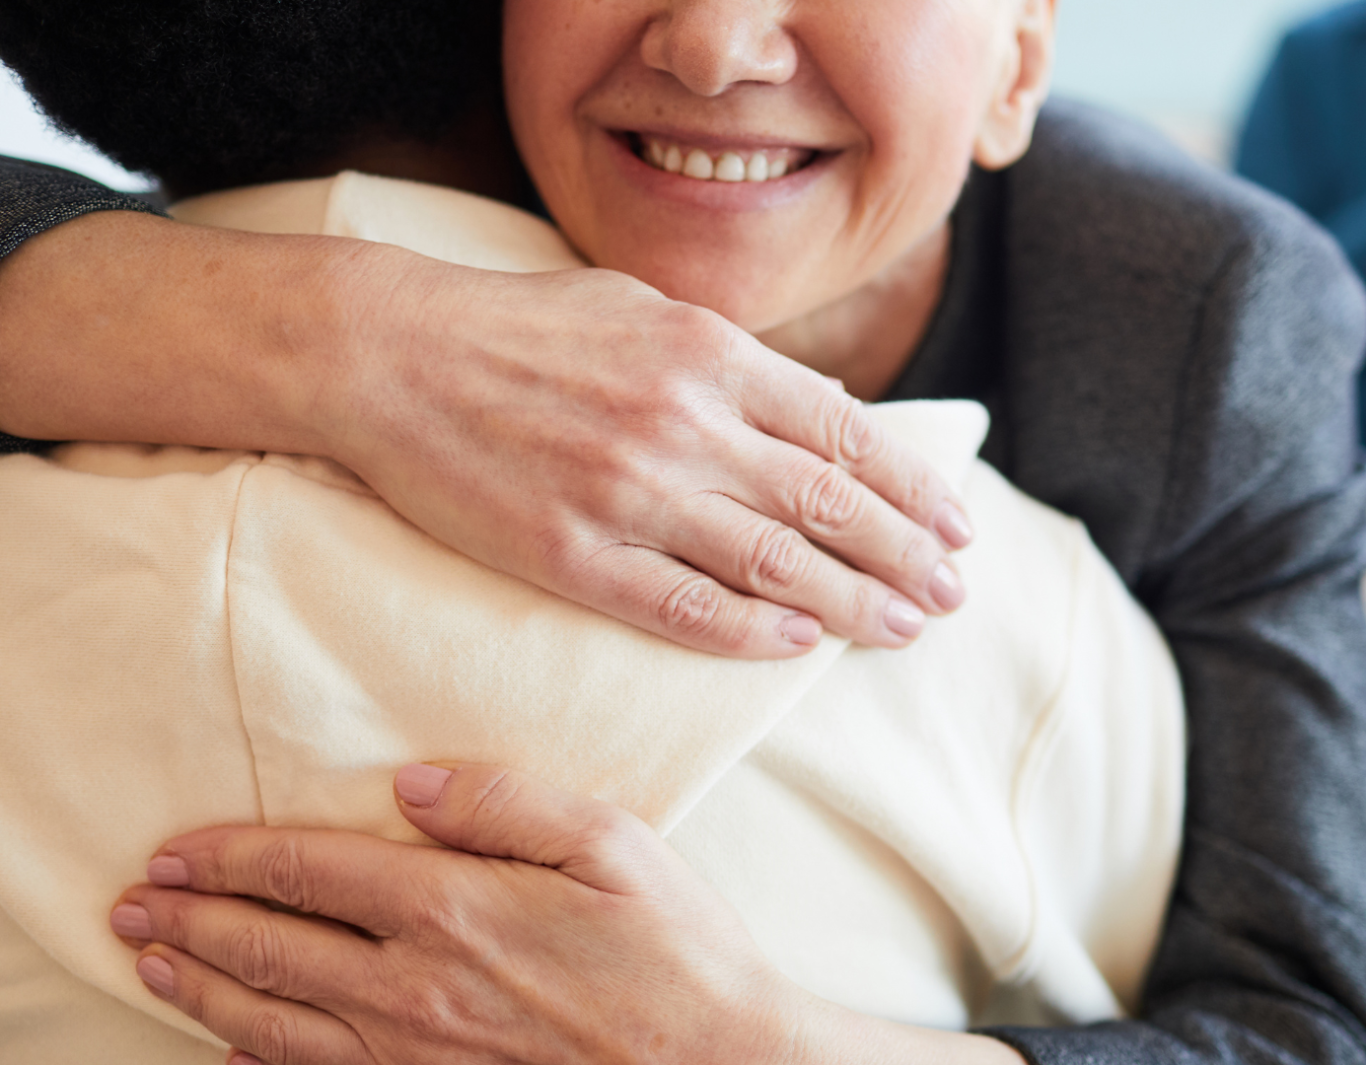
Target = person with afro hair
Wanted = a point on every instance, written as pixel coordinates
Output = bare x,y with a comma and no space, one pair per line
207,95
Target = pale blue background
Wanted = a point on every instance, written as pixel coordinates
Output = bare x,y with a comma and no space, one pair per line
1188,65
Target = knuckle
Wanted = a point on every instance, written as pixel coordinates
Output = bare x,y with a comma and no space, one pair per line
919,555
439,921
827,502
713,346
691,607
497,795
273,1036
255,952
561,551
862,604
923,491
697,326
284,874
425,1011
608,827
857,437
667,396
611,836
175,919
192,997
776,559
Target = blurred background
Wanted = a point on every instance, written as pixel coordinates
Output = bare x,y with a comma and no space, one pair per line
1189,66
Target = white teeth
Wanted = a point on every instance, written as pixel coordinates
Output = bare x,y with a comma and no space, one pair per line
730,167
699,165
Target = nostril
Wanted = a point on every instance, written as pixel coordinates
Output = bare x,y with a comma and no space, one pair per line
710,47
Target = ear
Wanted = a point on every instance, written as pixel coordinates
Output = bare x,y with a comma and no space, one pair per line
1026,69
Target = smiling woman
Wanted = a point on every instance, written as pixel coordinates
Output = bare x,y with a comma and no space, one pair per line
639,130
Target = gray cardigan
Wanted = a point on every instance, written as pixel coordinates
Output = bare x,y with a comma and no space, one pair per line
1168,354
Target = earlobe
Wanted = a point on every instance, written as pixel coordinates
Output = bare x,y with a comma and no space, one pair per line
1026,71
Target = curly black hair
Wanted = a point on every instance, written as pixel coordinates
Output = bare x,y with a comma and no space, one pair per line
208,94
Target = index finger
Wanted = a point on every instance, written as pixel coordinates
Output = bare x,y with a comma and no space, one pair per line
792,403
320,871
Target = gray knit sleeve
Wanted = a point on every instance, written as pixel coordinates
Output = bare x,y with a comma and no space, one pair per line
33,199
1182,380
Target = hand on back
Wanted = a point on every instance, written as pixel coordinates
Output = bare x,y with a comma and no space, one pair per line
576,429
643,457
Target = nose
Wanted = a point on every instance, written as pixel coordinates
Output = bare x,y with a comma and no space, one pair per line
710,45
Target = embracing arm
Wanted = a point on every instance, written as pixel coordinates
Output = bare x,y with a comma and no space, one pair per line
1253,570
575,429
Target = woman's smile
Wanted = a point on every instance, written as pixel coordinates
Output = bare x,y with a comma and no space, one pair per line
763,160
732,164
714,174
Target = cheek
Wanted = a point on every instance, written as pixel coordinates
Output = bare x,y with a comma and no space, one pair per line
554,53
532,64
917,80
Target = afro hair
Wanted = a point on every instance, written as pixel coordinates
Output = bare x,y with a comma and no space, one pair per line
208,94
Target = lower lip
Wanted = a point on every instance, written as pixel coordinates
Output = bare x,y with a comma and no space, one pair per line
734,196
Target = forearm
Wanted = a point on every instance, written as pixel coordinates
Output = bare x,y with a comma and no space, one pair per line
127,327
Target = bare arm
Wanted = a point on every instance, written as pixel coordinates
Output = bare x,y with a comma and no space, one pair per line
576,429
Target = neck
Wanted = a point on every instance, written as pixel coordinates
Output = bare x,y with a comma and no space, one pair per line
866,338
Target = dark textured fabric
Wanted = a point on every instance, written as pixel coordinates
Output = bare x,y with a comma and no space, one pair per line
33,199
1169,354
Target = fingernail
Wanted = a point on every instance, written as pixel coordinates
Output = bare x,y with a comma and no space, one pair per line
951,526
157,974
904,618
420,785
131,920
801,629
166,870
946,588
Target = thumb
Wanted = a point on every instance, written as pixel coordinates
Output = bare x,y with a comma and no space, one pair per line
502,813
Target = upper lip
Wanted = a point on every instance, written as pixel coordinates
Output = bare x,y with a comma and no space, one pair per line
722,141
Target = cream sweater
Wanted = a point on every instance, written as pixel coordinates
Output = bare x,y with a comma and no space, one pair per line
981,827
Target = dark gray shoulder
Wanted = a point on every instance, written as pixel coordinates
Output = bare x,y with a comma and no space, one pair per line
1174,333
1116,195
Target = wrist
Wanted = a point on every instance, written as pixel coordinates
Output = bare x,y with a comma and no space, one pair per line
364,353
